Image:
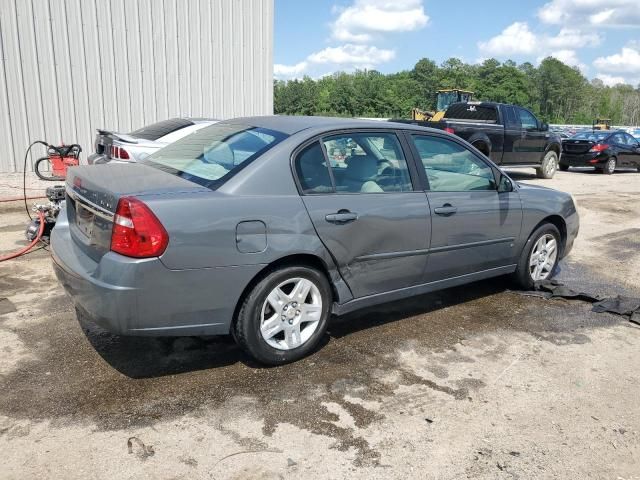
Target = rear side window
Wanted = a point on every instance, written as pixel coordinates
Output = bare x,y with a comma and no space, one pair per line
158,130
472,112
356,162
213,154
511,120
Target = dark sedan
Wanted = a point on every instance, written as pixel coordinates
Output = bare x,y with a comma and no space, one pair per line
262,227
604,150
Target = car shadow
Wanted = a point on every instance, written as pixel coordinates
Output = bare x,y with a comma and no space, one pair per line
149,357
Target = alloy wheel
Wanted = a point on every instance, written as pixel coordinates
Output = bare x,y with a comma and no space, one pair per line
611,165
543,257
291,313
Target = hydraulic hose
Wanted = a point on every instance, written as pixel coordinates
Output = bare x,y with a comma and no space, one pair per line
31,245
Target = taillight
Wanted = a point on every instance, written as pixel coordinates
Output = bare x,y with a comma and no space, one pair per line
137,232
119,152
600,147
449,130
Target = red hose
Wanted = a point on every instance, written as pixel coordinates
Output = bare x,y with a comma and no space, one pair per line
31,245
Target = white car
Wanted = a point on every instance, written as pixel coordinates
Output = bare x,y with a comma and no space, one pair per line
134,146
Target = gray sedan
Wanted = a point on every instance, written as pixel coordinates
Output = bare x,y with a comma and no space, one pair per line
264,227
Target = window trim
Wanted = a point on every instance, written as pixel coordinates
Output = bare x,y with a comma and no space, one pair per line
414,175
423,174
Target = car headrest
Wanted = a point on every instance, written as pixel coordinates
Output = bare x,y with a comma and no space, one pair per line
220,153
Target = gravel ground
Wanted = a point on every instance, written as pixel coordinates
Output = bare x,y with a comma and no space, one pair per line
471,382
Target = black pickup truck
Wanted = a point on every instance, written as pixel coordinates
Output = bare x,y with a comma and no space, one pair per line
511,136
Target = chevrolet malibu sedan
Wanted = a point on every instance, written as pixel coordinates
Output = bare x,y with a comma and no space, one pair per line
250,227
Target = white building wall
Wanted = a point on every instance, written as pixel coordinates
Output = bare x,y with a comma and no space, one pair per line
71,66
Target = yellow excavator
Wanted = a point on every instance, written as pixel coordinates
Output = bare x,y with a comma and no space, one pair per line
602,124
446,97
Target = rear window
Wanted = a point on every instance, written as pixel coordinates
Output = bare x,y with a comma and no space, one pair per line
211,155
158,130
591,136
470,111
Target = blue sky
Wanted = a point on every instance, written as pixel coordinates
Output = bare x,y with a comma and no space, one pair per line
318,37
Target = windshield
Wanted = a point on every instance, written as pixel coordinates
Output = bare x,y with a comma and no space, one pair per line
591,136
213,154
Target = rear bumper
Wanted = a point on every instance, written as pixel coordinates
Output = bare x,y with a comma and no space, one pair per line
142,297
583,159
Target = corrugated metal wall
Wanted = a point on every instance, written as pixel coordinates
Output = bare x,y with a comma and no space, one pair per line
71,66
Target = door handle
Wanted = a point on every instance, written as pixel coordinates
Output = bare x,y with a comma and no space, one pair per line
341,217
446,210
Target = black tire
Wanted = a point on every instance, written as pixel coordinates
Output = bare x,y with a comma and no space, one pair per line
610,166
246,329
548,166
522,275
563,168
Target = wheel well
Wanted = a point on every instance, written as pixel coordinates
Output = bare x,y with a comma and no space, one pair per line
555,148
482,146
301,259
559,223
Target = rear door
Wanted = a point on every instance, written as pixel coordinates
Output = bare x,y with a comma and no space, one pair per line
474,227
512,134
530,148
360,196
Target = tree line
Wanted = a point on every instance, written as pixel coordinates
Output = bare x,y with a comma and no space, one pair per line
556,92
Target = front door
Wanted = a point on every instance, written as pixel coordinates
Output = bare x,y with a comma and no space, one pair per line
359,194
474,227
530,148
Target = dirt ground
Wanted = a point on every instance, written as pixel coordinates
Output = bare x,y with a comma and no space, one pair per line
471,382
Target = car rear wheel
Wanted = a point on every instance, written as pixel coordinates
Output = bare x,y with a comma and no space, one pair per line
539,257
610,166
549,165
284,316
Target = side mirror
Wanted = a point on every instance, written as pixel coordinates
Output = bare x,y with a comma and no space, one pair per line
505,185
544,127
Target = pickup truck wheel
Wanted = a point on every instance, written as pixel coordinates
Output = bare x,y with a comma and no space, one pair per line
549,165
285,315
539,256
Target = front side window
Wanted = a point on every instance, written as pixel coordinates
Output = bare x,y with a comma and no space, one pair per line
367,163
618,138
527,120
213,154
450,167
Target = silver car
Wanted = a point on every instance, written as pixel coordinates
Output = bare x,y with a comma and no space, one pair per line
263,227
135,146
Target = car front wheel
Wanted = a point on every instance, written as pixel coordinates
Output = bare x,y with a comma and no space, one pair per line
539,257
549,165
284,316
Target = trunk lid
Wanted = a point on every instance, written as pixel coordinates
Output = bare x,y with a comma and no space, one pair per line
93,193
572,146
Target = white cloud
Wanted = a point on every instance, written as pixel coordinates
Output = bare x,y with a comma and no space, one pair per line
350,54
360,21
289,71
573,38
612,13
627,61
610,80
568,57
518,39
346,57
